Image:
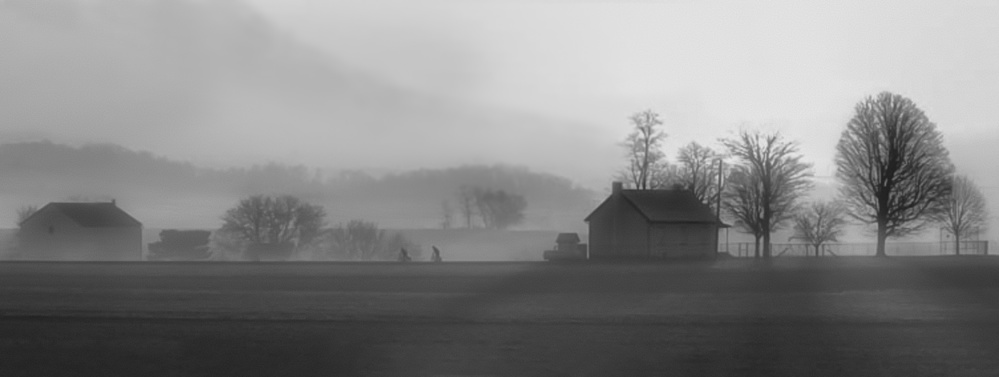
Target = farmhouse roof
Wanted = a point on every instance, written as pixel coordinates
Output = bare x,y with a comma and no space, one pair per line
665,206
91,215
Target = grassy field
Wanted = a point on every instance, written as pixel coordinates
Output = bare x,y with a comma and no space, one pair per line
929,316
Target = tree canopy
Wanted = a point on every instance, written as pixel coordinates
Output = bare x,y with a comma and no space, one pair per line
893,165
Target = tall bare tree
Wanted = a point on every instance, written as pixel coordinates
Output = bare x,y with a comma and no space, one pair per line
466,203
965,212
644,149
819,223
698,171
779,177
893,165
741,199
447,214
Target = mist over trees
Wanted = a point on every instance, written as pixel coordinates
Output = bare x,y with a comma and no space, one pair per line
771,178
893,165
192,196
964,213
496,209
360,240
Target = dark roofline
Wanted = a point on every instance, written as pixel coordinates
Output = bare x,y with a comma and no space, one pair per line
717,219
34,213
50,204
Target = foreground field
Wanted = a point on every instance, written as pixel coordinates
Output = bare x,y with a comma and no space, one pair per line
845,316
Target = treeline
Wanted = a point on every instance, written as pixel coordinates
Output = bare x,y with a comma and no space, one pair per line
37,172
895,174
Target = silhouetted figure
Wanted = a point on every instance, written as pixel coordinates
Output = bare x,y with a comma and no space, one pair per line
403,255
436,257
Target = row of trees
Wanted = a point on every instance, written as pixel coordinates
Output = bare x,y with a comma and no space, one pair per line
266,227
891,162
496,209
697,167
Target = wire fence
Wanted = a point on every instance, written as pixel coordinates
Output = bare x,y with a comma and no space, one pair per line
747,249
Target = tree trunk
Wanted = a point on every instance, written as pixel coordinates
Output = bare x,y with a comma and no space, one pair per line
957,243
766,245
756,248
882,236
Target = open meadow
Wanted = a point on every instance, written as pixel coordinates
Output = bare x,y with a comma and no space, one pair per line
797,316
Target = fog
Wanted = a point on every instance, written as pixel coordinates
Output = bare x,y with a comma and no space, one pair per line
391,86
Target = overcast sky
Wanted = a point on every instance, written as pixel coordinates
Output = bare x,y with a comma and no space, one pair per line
708,67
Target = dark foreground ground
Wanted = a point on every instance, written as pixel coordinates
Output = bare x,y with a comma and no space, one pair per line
933,316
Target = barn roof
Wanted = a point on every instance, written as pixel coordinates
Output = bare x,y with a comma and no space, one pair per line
666,206
92,215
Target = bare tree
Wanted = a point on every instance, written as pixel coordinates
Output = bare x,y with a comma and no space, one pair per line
360,240
499,209
965,212
447,215
284,220
819,223
893,165
664,175
780,177
357,240
643,146
699,171
309,222
466,202
741,199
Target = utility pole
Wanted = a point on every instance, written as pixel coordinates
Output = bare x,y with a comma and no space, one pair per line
718,191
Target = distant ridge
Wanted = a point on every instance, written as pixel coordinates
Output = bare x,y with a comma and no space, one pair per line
165,193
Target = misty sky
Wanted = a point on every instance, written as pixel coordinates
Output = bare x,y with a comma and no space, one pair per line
547,84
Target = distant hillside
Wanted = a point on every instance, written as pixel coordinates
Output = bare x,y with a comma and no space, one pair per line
169,194
214,81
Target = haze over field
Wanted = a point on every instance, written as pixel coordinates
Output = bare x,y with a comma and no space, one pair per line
392,86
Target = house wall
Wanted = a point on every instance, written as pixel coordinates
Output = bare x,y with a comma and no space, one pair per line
618,231
683,240
71,242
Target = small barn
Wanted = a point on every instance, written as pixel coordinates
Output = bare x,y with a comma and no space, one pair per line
81,232
658,224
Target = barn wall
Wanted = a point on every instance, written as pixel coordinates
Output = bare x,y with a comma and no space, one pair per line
683,240
601,234
70,242
618,231
632,233
37,243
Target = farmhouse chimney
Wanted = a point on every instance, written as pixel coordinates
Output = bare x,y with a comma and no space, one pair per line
616,188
